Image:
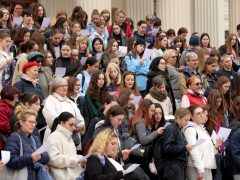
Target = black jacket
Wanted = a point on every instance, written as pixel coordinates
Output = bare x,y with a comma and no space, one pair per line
235,151
95,170
174,145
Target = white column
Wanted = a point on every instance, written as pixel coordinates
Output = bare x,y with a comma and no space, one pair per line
139,9
54,6
234,15
89,5
209,17
174,14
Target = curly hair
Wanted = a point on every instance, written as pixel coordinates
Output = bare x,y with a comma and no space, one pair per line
102,139
102,94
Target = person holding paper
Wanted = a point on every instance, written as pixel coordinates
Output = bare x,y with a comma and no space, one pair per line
25,127
63,158
56,103
175,148
39,13
139,66
201,160
101,165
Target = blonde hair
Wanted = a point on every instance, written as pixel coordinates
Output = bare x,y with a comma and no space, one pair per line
168,54
101,140
111,66
79,39
23,115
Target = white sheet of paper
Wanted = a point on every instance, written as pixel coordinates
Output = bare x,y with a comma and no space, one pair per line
123,50
155,31
147,54
131,168
98,56
84,32
60,71
136,100
5,156
83,60
46,21
135,147
223,133
199,142
169,117
18,21
44,148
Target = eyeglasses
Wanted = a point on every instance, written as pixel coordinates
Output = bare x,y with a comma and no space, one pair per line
198,84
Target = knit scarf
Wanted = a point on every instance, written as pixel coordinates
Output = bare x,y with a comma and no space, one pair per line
157,95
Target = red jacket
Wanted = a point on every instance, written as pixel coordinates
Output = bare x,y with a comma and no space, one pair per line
196,99
5,111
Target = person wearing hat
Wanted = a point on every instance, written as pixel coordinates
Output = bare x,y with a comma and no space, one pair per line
141,31
29,81
138,65
194,46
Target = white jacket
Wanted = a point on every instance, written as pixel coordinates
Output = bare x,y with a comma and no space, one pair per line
63,157
54,106
203,156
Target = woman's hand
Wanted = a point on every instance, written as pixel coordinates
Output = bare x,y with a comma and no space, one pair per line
80,127
219,143
1,165
125,154
141,61
35,157
160,130
189,147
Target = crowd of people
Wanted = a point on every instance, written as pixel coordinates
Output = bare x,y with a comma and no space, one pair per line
107,95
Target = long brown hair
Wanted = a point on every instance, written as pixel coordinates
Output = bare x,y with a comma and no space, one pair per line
213,111
94,91
142,113
229,46
134,88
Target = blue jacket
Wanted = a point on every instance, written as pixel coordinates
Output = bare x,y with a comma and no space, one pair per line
26,86
17,162
139,69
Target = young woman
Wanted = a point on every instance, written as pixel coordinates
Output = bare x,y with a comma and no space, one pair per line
113,76
30,143
202,159
129,81
63,158
104,165
112,47
73,89
63,26
159,119
97,93
140,66
5,59
159,46
230,46
215,109
175,148
97,47
82,45
205,41
116,34
75,28
85,75
5,23
203,54
39,13
54,43
66,60
141,125
223,85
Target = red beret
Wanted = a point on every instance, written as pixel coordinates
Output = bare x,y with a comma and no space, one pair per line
29,65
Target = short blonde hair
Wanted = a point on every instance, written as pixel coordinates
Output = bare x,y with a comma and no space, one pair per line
55,83
101,140
111,66
168,54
